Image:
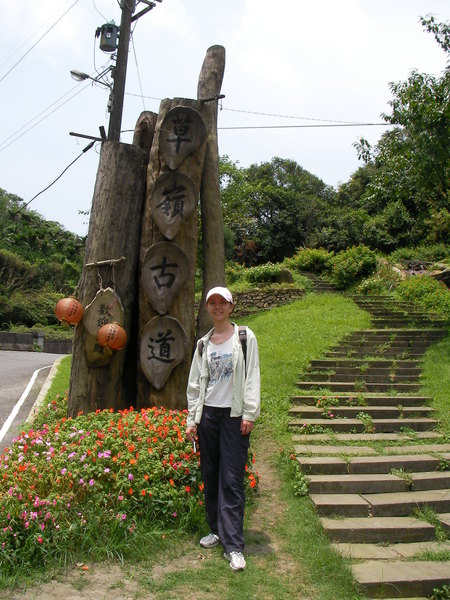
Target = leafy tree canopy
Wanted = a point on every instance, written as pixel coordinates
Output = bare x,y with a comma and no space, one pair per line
272,208
408,192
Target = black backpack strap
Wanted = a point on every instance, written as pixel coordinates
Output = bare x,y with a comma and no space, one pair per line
243,340
200,347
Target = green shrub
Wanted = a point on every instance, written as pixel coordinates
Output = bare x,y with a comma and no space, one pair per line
234,272
427,292
349,266
267,273
316,260
429,253
382,282
28,308
15,272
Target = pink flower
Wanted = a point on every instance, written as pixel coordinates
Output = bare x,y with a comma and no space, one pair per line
40,540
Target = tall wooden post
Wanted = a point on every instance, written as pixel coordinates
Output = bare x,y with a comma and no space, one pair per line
114,231
209,86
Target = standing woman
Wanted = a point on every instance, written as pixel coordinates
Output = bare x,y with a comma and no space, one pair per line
223,396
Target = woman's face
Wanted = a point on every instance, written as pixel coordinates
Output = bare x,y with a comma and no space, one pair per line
219,308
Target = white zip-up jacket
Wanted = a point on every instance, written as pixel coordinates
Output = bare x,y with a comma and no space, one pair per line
246,380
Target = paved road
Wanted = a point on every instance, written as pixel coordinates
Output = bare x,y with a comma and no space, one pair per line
16,372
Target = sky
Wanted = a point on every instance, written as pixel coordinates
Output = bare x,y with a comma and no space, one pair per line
288,63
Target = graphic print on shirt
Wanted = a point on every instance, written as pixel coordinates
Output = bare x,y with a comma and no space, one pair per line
221,368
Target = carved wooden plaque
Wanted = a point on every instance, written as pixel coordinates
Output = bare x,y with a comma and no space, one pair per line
105,308
174,197
164,270
182,133
163,347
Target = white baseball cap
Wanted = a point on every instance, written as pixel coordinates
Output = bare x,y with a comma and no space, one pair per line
221,291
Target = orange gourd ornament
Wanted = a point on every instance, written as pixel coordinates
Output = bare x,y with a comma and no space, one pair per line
69,311
112,336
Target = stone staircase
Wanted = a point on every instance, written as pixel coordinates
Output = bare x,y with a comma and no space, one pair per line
378,469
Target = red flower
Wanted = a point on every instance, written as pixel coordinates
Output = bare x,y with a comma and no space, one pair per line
187,488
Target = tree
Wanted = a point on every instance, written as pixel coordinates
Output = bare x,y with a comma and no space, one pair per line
273,208
410,163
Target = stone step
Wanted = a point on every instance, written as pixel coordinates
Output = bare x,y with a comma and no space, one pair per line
351,386
444,520
391,334
332,450
340,505
359,362
369,377
368,464
381,579
391,504
380,425
377,483
366,437
378,529
408,354
369,400
399,345
439,449
392,322
356,484
361,371
403,503
351,412
391,551
430,481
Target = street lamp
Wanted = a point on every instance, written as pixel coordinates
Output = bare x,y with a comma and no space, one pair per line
80,76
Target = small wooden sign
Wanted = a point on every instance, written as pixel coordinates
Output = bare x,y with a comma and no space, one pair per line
182,133
163,347
164,271
173,199
105,308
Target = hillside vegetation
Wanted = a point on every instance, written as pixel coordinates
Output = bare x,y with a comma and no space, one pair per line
39,262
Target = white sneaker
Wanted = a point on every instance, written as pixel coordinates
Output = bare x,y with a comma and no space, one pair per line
209,541
237,560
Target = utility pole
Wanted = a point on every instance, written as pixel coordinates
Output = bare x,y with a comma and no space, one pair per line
120,71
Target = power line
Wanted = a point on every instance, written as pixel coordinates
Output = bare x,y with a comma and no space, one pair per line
37,42
137,69
6,145
329,122
252,112
309,126
88,147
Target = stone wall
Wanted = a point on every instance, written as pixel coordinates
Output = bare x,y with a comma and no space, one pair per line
37,341
254,301
263,299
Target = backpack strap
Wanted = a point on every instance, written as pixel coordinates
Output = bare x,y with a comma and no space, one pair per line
243,340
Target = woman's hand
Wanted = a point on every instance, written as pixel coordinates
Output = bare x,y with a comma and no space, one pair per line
246,427
191,433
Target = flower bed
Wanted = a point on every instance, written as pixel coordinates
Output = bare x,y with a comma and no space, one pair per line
100,476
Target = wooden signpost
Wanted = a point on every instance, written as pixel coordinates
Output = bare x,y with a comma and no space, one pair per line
141,253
